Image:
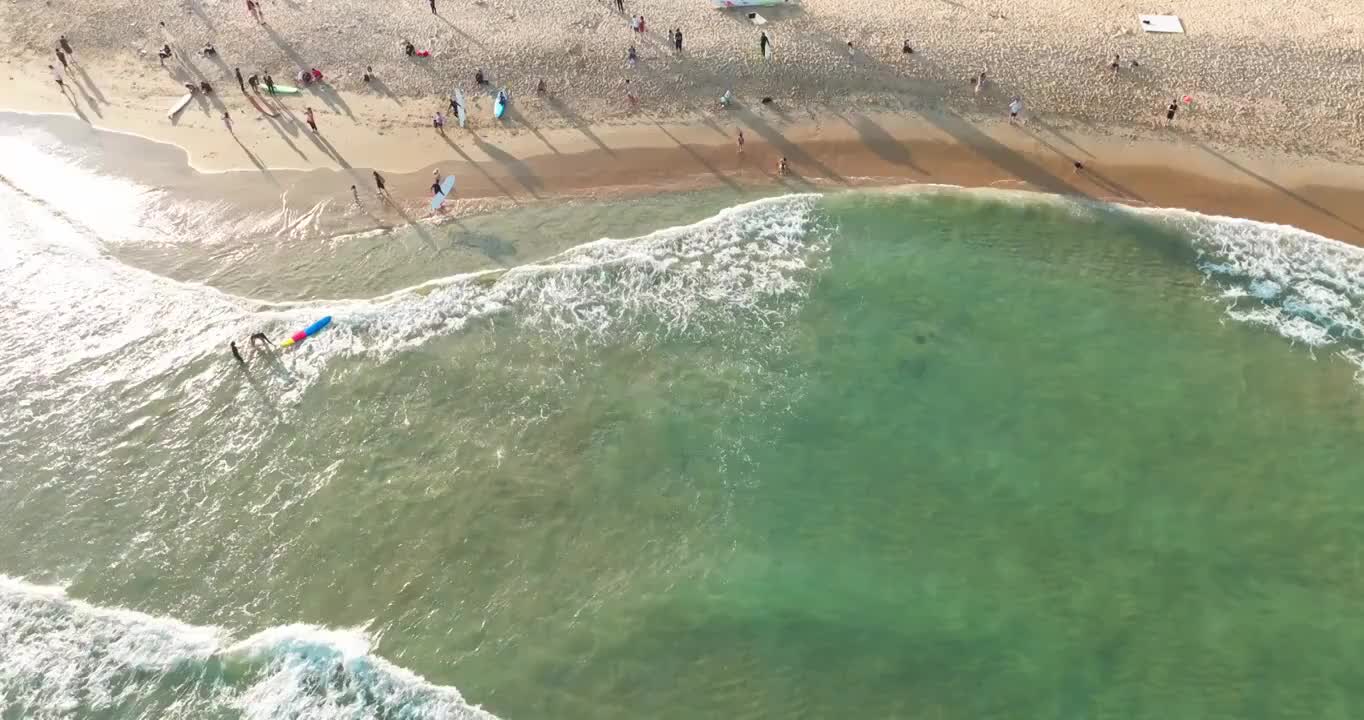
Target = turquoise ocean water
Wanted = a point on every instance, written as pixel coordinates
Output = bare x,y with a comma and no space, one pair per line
906,453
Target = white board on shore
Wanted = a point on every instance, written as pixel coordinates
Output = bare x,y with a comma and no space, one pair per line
757,19
1161,23
725,4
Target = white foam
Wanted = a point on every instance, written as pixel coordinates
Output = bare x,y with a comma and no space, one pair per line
1306,287
61,657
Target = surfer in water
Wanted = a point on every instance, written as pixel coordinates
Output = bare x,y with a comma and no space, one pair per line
260,337
235,353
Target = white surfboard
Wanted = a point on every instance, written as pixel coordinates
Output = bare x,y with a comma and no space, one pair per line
180,105
459,100
767,51
447,186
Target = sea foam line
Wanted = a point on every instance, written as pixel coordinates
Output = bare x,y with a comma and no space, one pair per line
64,657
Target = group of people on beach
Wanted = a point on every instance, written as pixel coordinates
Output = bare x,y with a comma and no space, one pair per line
65,55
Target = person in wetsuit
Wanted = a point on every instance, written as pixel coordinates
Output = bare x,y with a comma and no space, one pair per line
261,337
235,353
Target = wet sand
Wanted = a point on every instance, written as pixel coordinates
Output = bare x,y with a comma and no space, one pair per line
852,151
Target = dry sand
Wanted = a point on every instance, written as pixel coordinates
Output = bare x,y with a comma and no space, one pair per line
1276,121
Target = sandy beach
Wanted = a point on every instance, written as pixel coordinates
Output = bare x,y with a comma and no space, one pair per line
1272,130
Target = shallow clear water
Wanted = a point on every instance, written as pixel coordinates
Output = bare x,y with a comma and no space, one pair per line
938,454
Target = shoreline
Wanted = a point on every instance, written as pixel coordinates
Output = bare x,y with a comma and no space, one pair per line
861,150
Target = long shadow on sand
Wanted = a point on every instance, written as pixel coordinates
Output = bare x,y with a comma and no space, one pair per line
486,175
1285,191
999,154
518,168
881,143
1109,186
701,160
792,151
577,122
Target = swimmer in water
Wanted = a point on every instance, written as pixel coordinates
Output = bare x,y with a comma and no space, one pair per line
236,354
261,337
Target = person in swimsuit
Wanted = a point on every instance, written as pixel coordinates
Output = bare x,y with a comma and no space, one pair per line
1015,107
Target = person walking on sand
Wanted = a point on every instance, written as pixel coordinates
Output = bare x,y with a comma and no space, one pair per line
61,57
632,56
380,186
65,45
57,75
740,142
678,39
240,83
630,96
1169,111
783,167
433,7
620,6
763,42
1115,64
269,83
312,121
1015,107
355,193
439,122
227,121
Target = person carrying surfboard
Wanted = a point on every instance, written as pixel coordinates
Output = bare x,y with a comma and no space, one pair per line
763,42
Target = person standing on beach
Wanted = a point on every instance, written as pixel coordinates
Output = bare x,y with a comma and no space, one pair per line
65,45
1115,64
980,82
379,184
740,142
1169,111
433,7
61,57
312,121
439,122
1015,107
763,42
269,83
630,95
678,38
620,6
355,193
240,83
632,56
57,75
227,121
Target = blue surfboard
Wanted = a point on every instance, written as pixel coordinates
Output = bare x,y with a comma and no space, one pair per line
500,106
446,187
